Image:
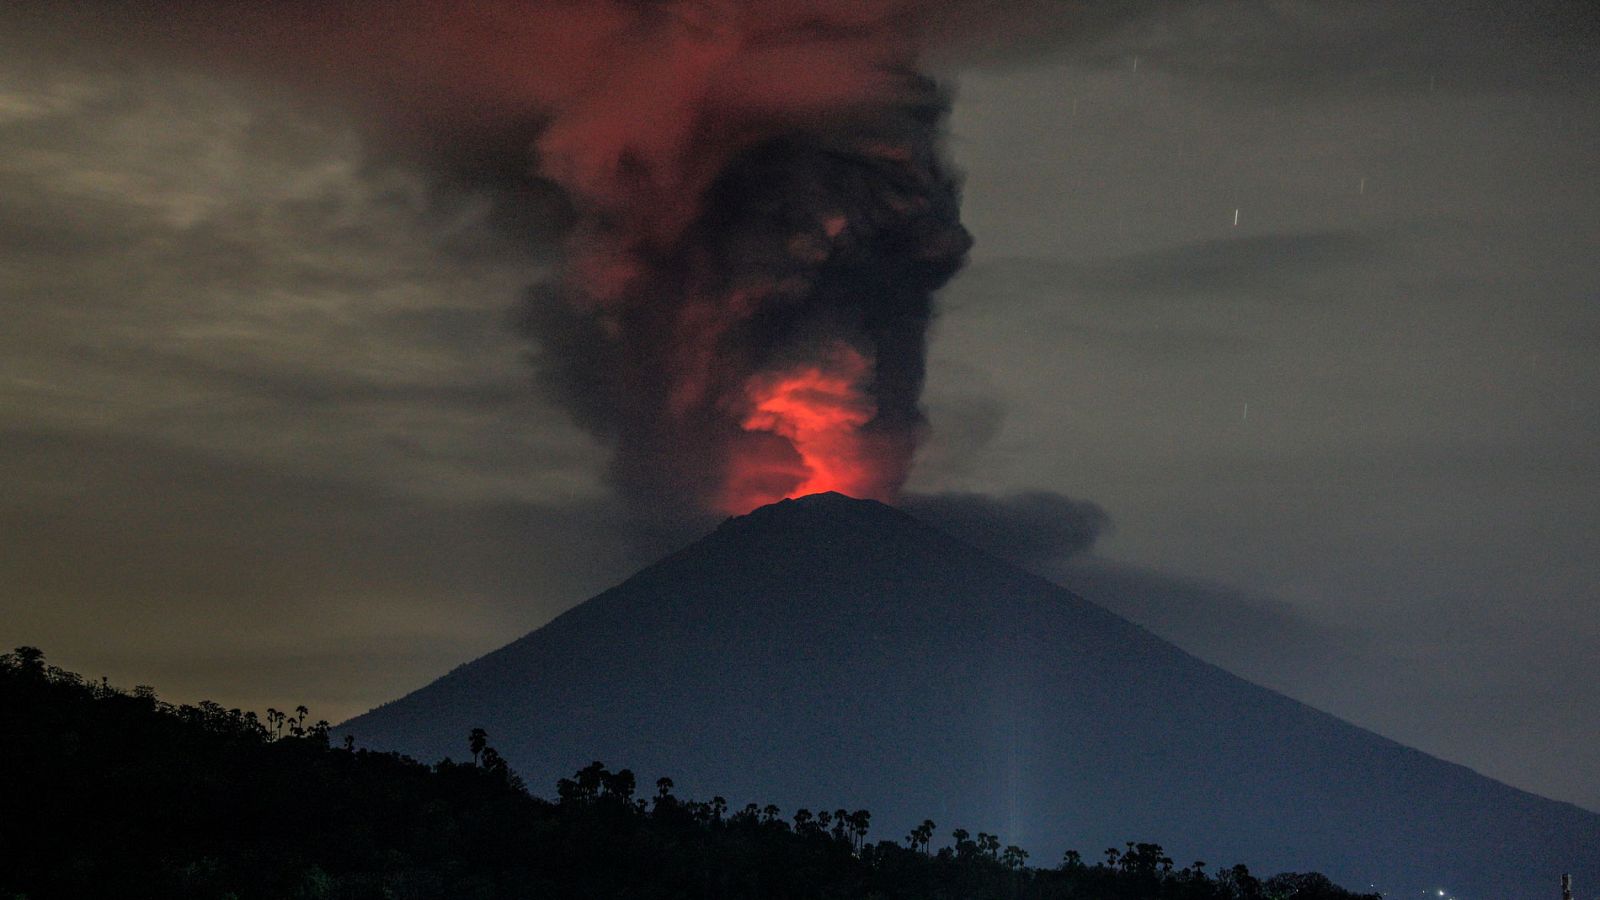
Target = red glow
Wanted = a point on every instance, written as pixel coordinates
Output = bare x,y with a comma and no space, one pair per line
806,434
632,111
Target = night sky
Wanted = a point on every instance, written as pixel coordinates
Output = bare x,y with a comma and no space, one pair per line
1302,295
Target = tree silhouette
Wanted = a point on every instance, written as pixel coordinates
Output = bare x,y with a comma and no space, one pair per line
1013,857
618,785
189,801
921,836
29,661
965,848
858,822
477,740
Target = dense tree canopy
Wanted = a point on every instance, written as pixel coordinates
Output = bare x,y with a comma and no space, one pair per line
111,793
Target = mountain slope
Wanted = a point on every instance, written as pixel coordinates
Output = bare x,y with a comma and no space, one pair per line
833,652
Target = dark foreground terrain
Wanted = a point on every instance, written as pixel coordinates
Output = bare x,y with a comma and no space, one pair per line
105,793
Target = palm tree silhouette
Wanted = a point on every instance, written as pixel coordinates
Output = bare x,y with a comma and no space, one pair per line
922,835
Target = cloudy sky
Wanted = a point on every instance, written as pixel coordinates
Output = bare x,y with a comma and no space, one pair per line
268,433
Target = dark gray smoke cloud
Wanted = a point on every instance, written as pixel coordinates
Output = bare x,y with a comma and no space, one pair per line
1032,528
749,196
812,241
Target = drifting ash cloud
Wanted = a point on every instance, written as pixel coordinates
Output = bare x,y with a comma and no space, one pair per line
1034,529
774,346
751,196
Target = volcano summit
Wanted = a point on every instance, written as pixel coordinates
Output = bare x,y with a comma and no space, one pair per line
828,652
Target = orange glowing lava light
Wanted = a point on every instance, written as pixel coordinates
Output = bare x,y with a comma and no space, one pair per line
819,408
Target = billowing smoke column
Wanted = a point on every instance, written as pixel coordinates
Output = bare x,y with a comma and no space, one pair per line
759,210
763,217
772,344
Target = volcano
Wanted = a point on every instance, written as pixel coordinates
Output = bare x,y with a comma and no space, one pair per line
828,652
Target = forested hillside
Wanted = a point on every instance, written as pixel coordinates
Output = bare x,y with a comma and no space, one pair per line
108,793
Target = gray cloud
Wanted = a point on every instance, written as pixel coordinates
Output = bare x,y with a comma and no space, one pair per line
1244,265
266,411
1163,303
1243,269
966,423
1265,640
188,564
251,277
1288,49
1031,528
1497,697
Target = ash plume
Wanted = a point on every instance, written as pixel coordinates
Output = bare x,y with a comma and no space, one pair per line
762,216
775,344
756,212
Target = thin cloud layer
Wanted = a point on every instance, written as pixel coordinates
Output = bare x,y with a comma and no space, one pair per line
1031,528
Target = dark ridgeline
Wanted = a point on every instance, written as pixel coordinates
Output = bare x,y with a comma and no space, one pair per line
105,794
836,651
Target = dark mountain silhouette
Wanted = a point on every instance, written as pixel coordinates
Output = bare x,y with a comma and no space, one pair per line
198,802
831,651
